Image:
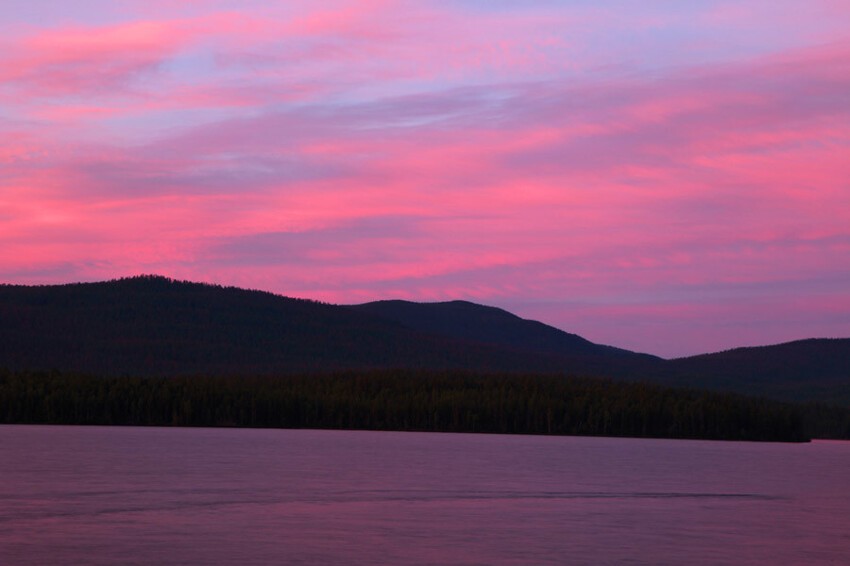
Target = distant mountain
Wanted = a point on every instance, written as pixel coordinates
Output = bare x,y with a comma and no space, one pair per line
152,325
806,370
490,325
813,369
483,325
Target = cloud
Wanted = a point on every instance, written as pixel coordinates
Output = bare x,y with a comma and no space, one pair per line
351,151
77,60
362,241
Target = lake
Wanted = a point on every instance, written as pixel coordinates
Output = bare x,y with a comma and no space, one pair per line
121,495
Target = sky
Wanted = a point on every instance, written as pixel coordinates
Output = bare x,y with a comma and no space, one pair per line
669,177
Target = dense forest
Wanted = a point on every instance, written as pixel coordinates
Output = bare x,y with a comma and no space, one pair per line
450,401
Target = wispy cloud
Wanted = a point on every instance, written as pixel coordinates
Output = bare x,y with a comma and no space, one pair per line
616,169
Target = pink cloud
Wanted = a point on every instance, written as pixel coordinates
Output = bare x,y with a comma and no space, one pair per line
79,60
388,149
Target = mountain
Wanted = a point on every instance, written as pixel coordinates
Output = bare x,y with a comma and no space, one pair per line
813,369
152,325
806,370
463,320
483,325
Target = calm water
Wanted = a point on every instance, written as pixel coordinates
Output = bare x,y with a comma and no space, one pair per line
91,495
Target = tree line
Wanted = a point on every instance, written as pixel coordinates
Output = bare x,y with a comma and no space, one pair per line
405,400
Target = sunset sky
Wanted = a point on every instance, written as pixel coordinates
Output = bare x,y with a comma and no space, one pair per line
670,177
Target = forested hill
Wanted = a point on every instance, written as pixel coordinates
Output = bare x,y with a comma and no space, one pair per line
814,369
805,370
152,325
148,326
468,321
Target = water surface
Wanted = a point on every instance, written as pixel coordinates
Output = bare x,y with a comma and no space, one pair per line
99,495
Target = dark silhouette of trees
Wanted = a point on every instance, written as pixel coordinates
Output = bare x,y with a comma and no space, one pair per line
449,401
155,326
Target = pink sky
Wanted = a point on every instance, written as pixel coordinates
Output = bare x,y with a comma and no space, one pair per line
666,177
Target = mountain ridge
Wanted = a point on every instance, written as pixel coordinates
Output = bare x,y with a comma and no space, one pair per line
153,325
473,321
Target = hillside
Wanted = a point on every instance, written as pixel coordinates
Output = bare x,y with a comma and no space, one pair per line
490,325
806,370
156,326
814,369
